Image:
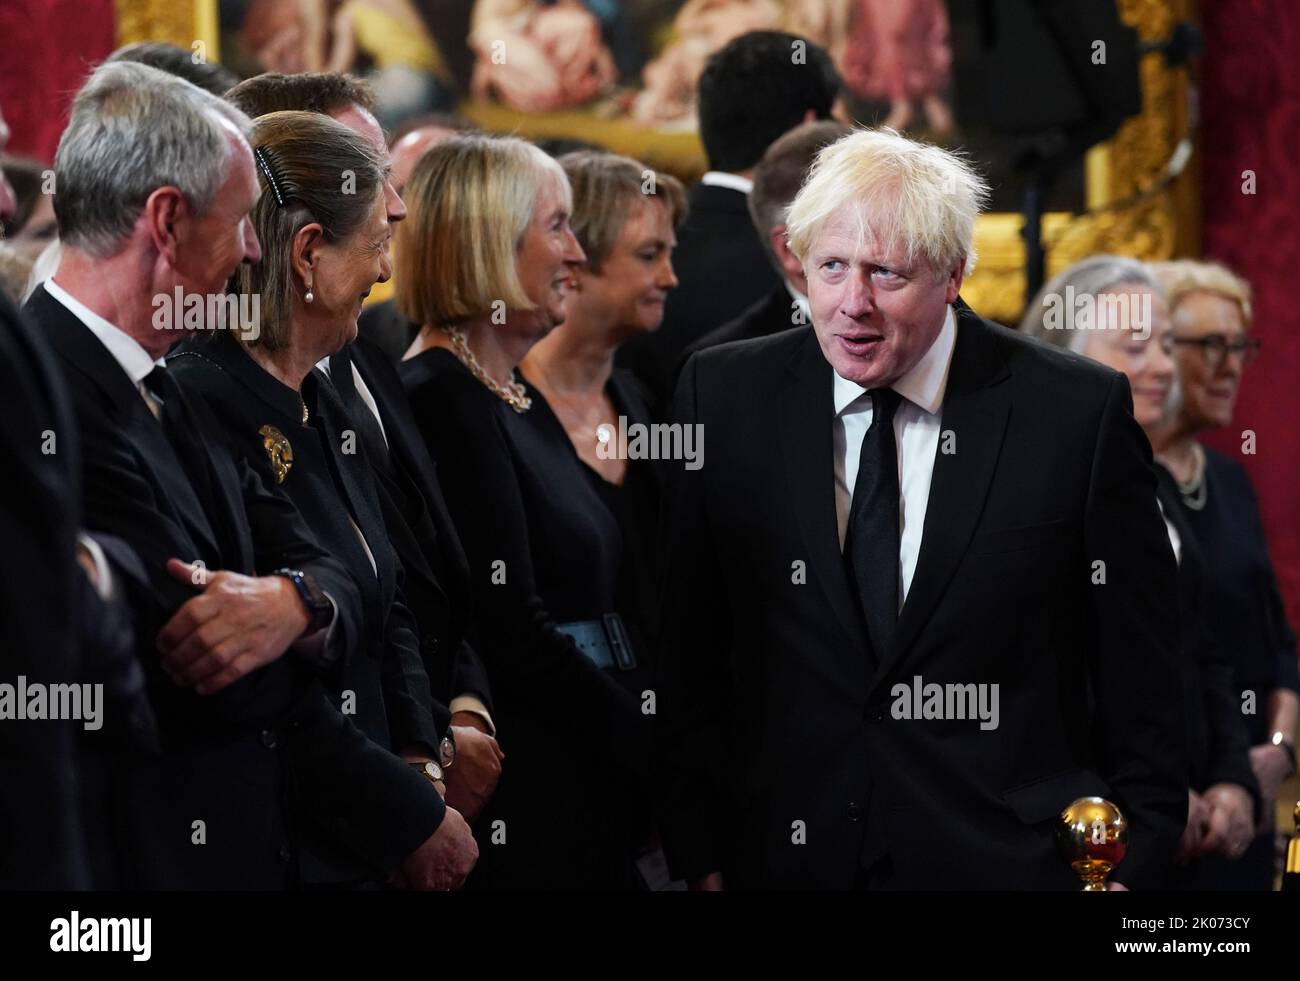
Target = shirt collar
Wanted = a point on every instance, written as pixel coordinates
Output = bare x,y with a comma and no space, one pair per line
923,385
720,178
124,348
800,300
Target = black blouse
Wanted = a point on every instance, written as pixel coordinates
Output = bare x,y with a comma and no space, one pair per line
634,505
1217,746
1244,609
543,549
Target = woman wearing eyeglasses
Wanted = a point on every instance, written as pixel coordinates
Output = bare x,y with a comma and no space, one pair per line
1211,347
1110,309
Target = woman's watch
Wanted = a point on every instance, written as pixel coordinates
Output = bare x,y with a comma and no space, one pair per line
430,770
1279,739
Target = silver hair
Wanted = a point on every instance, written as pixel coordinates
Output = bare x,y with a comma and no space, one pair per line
134,129
1094,276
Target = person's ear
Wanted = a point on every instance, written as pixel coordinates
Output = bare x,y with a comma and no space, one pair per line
955,279
777,237
166,214
304,253
579,277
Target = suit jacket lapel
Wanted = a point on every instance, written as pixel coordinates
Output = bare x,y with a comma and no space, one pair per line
778,312
807,417
75,343
356,497
406,446
975,412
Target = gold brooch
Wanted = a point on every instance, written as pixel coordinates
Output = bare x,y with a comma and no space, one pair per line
278,451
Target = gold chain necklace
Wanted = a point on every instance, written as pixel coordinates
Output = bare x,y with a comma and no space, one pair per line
512,392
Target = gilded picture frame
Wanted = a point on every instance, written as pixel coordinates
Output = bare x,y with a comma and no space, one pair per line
1154,221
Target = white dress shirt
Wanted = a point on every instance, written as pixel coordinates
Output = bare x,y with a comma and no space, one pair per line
126,350
363,390
720,178
916,431
799,302
1175,539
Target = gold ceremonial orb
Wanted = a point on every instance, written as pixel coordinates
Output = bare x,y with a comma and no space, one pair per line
1293,851
1092,836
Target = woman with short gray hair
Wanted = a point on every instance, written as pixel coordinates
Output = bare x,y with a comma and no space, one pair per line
1111,309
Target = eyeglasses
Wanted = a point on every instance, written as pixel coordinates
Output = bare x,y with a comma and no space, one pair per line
1215,348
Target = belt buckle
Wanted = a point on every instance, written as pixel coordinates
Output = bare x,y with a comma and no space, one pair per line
619,643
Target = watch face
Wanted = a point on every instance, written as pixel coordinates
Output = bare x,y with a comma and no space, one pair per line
447,751
433,771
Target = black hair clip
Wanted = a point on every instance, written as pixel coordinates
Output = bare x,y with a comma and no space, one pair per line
270,176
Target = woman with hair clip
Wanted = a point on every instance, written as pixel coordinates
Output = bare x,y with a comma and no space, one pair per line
323,225
1127,328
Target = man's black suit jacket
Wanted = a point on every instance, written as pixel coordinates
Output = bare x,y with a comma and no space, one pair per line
43,845
420,527
268,758
382,326
776,728
721,269
770,315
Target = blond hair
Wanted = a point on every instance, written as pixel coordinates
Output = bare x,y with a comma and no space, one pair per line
902,192
469,203
1179,277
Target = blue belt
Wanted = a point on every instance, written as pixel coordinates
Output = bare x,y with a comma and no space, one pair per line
604,641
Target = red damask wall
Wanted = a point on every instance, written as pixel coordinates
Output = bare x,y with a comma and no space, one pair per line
49,46
1250,104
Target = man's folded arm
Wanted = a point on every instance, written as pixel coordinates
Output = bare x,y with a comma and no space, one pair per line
282,539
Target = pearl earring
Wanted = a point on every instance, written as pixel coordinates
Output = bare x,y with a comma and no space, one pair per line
310,295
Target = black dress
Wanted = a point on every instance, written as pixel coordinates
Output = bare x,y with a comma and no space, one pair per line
1245,615
635,506
543,550
1217,748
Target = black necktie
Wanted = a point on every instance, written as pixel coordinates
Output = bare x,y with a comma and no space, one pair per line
170,411
871,541
187,440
